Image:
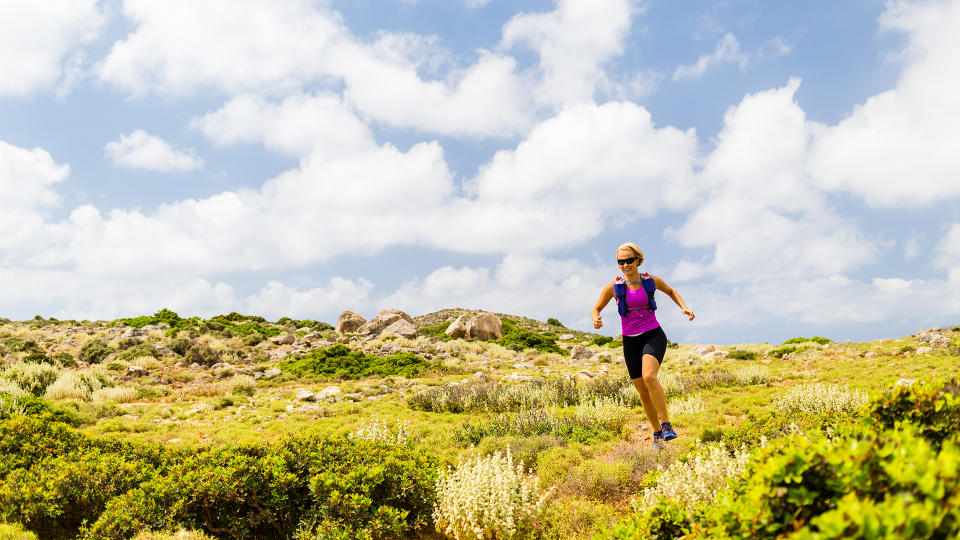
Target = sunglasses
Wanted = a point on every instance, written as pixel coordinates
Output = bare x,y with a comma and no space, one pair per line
626,261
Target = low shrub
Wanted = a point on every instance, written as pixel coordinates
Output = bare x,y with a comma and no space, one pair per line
816,339
498,397
38,358
341,362
15,531
932,408
34,378
20,345
754,374
821,398
782,351
137,351
438,331
94,351
118,394
686,405
554,322
74,385
378,431
179,345
244,385
202,354
517,338
738,354
601,340
488,497
63,359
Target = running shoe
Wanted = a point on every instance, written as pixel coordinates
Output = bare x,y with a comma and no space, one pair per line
668,433
658,443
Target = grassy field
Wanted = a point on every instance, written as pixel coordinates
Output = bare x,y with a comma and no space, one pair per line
575,424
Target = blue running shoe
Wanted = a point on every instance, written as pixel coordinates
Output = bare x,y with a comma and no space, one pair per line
658,443
668,433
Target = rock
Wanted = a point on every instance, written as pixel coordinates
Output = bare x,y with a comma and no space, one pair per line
306,395
400,328
283,340
133,332
871,354
479,376
939,341
484,327
523,365
518,377
579,352
329,392
136,371
924,350
349,322
566,337
458,328
383,319
388,348
701,350
583,375
272,372
164,351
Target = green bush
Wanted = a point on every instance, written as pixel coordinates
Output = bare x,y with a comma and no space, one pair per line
15,531
554,322
737,354
438,331
780,352
816,339
38,358
94,351
63,359
519,339
601,340
933,409
16,344
202,354
180,345
341,362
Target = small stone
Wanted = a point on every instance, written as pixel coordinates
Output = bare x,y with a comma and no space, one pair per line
701,350
136,371
283,340
306,395
566,337
329,392
925,350
479,376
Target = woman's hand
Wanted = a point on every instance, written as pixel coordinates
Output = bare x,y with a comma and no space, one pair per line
688,312
598,321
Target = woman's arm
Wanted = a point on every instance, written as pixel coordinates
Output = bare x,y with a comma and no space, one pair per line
674,295
602,302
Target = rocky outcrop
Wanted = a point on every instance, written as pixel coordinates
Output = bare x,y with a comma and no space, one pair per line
400,328
349,322
458,328
383,319
701,350
485,327
579,352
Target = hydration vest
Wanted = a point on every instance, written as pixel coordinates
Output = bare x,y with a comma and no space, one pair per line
620,292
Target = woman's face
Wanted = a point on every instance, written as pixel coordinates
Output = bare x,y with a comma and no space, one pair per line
627,260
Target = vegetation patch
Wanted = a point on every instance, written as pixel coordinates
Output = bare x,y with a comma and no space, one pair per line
341,362
816,339
517,338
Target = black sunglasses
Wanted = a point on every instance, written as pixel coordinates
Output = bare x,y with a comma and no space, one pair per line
626,261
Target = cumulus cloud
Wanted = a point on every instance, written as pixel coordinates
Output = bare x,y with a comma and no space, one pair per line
140,150
727,51
28,181
573,42
39,41
761,214
899,148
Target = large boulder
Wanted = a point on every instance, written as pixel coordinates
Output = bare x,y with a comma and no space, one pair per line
383,319
400,328
701,350
349,322
458,328
485,326
579,352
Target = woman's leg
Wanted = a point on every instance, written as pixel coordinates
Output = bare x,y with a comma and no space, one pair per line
655,391
648,406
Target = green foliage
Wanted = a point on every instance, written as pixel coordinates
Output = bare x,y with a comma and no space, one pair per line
34,406
934,409
780,352
63,359
816,339
738,354
204,355
38,358
601,340
554,322
15,531
341,362
518,339
16,344
180,345
531,422
164,316
439,331
94,351
53,479
316,326
497,397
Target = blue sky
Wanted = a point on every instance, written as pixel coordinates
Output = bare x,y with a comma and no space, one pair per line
791,168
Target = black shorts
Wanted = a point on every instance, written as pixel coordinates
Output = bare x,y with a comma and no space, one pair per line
652,342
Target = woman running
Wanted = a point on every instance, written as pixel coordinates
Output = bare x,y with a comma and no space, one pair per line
644,342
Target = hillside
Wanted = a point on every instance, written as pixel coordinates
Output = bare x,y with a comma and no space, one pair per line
187,395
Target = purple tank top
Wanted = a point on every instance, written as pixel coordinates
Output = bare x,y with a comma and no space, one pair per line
641,320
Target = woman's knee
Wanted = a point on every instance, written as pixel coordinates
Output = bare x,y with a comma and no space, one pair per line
640,386
650,377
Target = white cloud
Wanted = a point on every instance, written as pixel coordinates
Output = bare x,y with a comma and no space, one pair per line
474,4
36,37
27,182
644,84
573,42
140,150
948,249
300,125
277,300
761,215
900,148
774,47
726,51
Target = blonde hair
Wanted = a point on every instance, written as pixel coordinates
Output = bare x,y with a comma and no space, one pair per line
634,248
